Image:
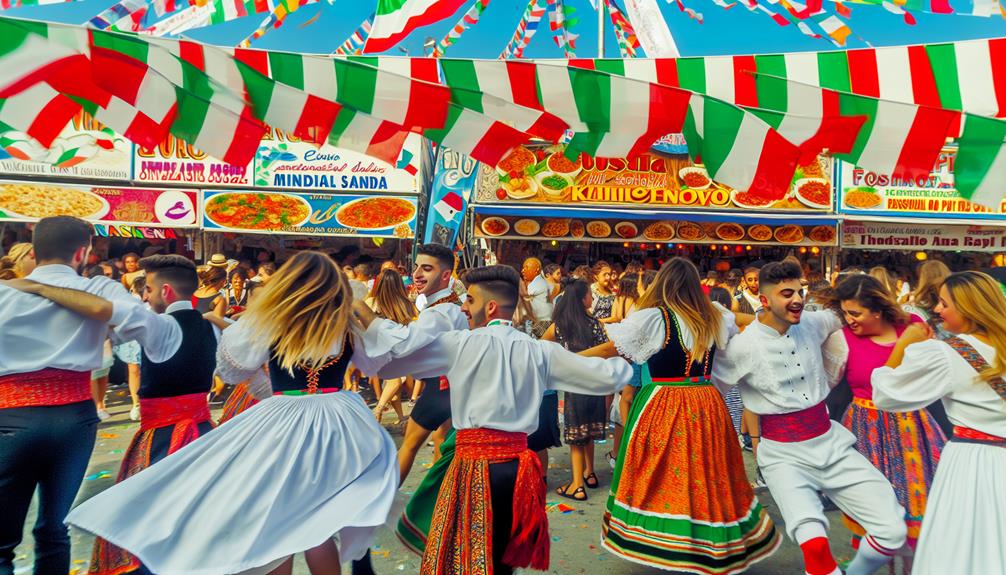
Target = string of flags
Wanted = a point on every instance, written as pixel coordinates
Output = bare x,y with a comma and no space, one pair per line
526,29
470,18
354,44
560,20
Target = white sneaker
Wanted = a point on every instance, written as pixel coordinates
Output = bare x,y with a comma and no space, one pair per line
103,415
134,413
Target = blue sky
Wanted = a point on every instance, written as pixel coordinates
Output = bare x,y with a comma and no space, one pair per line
734,31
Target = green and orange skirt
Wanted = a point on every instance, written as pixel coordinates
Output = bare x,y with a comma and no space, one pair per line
680,498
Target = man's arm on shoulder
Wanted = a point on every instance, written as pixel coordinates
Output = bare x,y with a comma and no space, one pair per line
77,301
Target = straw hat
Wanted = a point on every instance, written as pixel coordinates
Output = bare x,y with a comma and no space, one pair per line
217,261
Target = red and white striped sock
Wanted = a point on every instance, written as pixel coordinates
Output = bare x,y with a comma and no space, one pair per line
870,557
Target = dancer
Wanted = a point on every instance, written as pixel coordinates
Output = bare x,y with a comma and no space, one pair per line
965,519
490,512
905,447
778,364
48,420
308,469
680,499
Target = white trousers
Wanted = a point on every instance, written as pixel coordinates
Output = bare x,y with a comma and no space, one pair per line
830,464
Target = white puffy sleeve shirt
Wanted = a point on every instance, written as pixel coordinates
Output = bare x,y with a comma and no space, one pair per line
932,370
640,335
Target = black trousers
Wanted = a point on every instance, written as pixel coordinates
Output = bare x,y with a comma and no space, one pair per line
502,479
47,448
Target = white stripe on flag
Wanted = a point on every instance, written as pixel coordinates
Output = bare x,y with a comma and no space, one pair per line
738,170
20,110
890,129
391,89
217,132
467,131
359,134
978,94
630,116
557,93
641,69
156,96
894,74
720,78
285,107
697,104
320,79
493,79
802,67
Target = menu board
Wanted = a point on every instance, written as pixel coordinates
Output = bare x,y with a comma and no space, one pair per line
309,214
866,192
911,236
284,162
85,149
636,230
177,162
544,176
29,201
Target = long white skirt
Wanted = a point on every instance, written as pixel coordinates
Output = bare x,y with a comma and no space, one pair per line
964,530
278,479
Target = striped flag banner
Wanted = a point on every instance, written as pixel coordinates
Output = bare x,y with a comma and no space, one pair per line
39,111
354,44
8,4
123,15
396,19
470,19
275,19
980,167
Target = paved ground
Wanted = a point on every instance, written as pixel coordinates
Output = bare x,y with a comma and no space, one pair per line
575,533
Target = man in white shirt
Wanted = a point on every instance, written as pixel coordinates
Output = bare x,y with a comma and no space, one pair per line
778,364
538,289
48,421
748,300
498,376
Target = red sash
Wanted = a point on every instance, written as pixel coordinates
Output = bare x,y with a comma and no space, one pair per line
184,412
968,435
797,426
45,387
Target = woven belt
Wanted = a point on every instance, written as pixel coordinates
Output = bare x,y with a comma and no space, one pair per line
45,387
863,402
968,435
798,426
319,391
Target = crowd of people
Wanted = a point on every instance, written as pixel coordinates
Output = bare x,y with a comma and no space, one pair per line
880,396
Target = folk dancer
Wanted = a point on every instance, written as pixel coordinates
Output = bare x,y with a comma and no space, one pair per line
777,362
490,513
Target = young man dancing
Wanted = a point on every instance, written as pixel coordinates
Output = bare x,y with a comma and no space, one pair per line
490,513
777,362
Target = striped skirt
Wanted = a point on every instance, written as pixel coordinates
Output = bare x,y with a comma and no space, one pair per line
905,447
239,400
680,497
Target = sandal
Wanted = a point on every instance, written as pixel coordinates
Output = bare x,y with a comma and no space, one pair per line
579,495
591,481
612,460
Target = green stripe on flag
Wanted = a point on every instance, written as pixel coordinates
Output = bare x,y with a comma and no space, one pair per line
833,70
130,46
720,124
438,135
357,85
772,95
692,74
978,166
461,78
616,67
259,89
592,94
943,60
385,7
191,116
853,105
342,121
287,68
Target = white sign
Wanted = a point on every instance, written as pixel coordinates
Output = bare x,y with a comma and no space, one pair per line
919,237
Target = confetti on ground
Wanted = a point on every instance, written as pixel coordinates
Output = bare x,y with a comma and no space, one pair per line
98,475
555,507
109,435
115,451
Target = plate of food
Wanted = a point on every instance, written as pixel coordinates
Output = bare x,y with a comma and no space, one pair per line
598,229
749,200
690,231
813,193
659,231
516,162
627,230
260,210
560,164
554,185
526,227
29,200
695,178
576,229
556,228
822,234
863,198
730,232
495,226
789,234
760,233
376,213
520,188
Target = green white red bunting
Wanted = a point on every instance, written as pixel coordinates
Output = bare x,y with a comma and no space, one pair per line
396,19
748,118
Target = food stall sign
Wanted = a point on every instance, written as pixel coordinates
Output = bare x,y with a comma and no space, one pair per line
84,149
284,162
863,192
907,235
177,162
151,207
543,175
309,214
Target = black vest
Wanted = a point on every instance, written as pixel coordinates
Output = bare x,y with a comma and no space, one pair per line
190,370
329,377
671,361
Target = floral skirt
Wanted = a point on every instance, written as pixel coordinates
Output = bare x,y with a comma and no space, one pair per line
905,447
680,497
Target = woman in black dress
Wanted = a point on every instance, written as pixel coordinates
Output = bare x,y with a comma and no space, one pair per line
585,415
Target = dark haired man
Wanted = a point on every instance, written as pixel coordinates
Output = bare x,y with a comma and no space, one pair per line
778,364
47,351
490,507
748,301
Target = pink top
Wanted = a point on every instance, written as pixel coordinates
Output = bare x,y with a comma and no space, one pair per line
866,355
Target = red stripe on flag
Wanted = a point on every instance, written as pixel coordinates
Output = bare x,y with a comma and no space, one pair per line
261,6
923,79
843,10
434,13
76,65
524,84
52,119
147,133
745,88
997,53
192,53
121,75
924,143
428,103
245,141
582,63
258,60
548,126
497,142
837,133
776,167
668,109
940,7
425,69
387,142
667,71
865,79
316,120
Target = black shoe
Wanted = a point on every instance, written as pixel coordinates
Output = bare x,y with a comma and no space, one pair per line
363,566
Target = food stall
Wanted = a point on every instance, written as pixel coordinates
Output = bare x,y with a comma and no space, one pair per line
898,223
654,206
